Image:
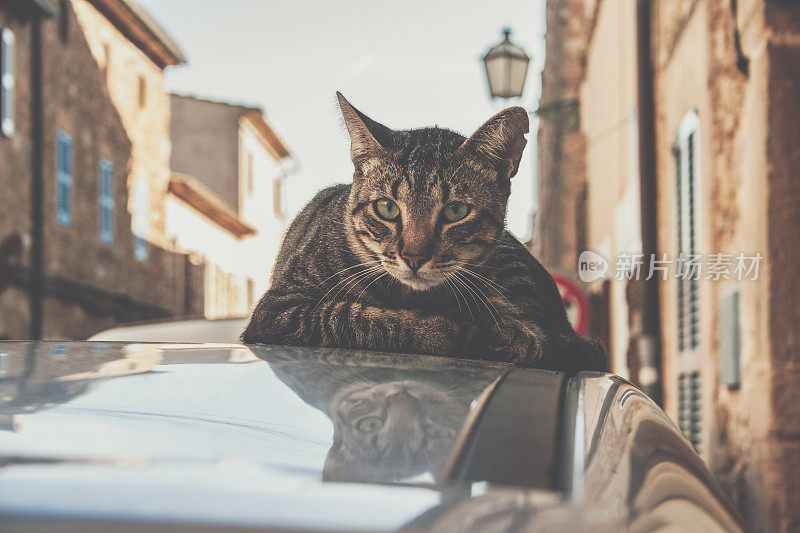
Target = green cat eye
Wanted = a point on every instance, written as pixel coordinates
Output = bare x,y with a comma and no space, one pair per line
387,209
455,211
370,424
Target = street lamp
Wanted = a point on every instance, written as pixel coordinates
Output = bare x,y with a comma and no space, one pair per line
506,68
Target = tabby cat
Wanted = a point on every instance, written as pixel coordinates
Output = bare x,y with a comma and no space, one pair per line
413,256
391,421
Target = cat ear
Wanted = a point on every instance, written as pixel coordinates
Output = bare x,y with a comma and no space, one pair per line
367,137
501,140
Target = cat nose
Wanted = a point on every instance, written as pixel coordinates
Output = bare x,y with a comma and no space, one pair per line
414,261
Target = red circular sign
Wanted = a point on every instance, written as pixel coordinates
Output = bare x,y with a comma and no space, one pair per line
575,303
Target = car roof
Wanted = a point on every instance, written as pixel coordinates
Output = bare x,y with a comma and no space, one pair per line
221,330
161,436
92,418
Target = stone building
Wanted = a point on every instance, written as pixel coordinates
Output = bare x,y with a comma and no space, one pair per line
132,51
560,141
226,198
69,137
726,94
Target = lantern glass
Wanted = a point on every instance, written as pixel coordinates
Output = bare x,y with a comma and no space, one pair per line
506,68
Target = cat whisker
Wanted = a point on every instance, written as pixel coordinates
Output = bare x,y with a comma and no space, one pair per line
488,282
447,285
346,281
456,283
355,281
370,283
450,288
346,269
476,265
483,298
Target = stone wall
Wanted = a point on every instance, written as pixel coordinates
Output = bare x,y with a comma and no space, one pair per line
15,170
89,285
146,118
561,144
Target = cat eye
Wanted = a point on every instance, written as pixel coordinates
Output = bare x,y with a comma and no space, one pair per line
387,209
370,424
455,211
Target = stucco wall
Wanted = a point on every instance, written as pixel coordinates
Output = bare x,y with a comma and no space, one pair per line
258,208
205,144
749,137
609,124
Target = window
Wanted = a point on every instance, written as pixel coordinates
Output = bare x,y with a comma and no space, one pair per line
142,92
141,215
250,177
7,82
106,202
277,195
106,60
687,198
251,294
687,182
64,178
689,407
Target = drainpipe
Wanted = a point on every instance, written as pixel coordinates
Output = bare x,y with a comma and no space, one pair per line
649,347
37,181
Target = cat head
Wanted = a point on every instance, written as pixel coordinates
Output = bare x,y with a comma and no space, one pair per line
427,202
391,430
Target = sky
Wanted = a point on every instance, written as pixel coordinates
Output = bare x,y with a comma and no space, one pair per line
405,64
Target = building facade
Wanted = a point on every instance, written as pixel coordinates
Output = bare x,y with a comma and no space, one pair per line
133,51
226,200
726,90
90,277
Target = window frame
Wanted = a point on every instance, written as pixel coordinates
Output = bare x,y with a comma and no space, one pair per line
251,179
8,82
141,218
688,181
142,92
690,382
106,203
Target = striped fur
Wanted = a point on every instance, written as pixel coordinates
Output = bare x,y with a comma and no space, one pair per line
339,281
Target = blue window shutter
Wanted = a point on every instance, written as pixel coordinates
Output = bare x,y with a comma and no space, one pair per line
64,178
106,201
